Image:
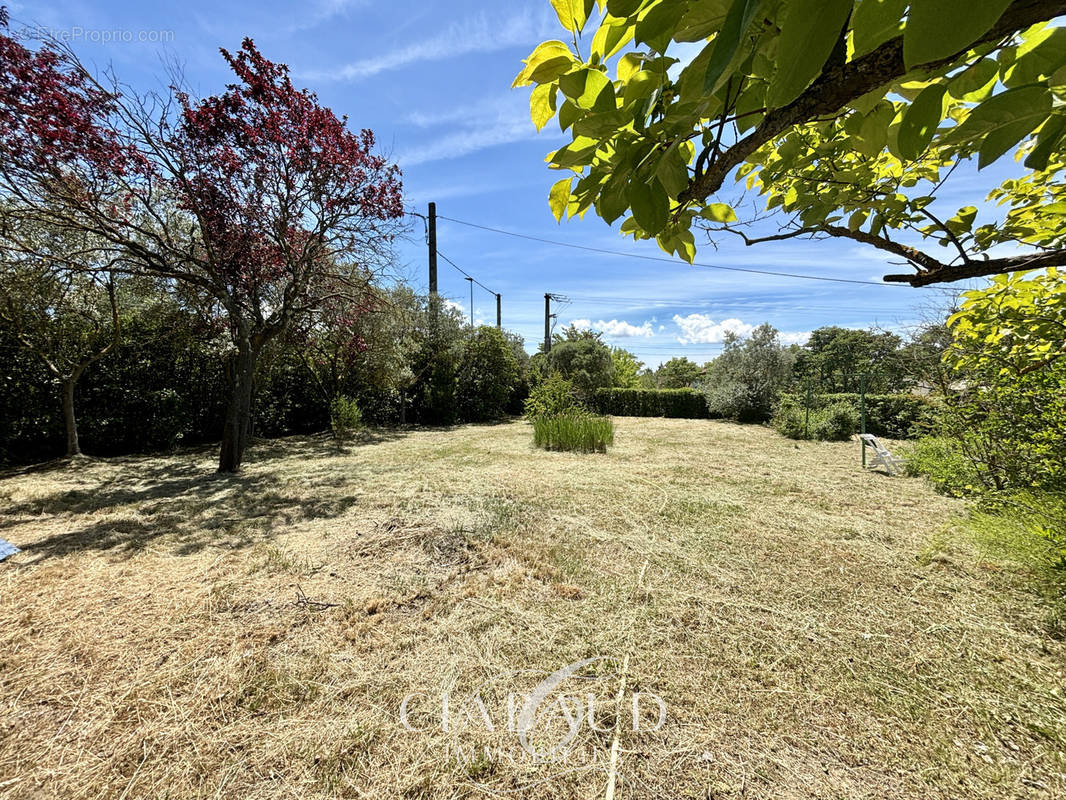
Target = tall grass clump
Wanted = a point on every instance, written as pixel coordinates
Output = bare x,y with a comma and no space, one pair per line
562,422
346,418
575,431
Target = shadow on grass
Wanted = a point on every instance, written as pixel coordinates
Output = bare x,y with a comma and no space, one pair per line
178,498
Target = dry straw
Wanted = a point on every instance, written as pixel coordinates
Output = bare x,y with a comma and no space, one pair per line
815,630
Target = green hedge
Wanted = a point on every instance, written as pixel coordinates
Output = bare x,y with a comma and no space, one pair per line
682,403
897,416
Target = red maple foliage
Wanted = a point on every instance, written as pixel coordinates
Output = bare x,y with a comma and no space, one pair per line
258,200
54,118
274,177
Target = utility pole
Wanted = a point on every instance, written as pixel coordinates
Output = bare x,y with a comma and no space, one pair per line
471,282
432,250
549,316
547,323
499,315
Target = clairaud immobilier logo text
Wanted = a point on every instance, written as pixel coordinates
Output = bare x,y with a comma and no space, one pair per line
568,718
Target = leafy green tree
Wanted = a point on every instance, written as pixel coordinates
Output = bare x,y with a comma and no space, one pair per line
368,354
585,361
438,334
66,317
627,368
522,385
848,116
678,373
646,379
922,359
487,376
743,383
836,359
572,333
1009,341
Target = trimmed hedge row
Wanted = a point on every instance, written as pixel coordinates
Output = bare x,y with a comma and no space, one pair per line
897,416
679,403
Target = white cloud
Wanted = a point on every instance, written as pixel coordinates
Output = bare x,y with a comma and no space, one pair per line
615,327
795,337
477,34
701,329
451,305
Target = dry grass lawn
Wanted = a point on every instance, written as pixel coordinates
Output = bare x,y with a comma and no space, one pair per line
814,631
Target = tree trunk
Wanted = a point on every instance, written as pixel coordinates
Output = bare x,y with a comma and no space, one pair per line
73,448
241,371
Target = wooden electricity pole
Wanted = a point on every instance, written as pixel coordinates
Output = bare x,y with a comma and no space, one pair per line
471,281
432,250
547,323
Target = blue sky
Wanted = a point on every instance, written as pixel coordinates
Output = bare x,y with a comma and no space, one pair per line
432,80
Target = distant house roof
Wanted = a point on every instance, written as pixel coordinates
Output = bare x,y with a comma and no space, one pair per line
924,388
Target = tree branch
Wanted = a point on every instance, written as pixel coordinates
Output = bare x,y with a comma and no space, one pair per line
929,270
946,273
839,85
920,260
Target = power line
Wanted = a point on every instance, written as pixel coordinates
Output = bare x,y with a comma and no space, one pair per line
676,302
466,274
669,260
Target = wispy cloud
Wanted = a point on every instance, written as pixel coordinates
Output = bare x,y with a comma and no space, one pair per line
322,11
462,130
616,328
464,142
476,34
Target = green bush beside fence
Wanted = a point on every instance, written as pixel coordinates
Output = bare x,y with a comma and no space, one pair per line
678,403
897,416
835,422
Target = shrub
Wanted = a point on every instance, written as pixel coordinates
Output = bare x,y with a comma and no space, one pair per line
897,416
943,462
744,382
345,416
832,423
585,362
678,403
835,423
791,420
576,431
551,397
1010,417
487,376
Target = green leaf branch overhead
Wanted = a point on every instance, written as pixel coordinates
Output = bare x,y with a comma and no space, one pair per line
845,116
